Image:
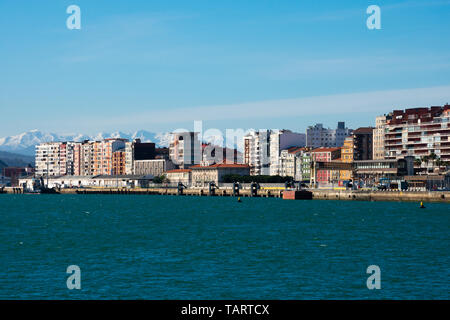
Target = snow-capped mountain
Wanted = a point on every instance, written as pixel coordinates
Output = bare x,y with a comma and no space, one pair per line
25,143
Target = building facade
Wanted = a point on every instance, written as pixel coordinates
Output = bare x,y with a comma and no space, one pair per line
257,152
155,167
378,137
418,132
347,156
363,143
325,176
47,159
317,136
203,175
179,175
281,140
185,150
291,163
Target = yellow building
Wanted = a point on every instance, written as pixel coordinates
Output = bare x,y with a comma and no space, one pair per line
347,156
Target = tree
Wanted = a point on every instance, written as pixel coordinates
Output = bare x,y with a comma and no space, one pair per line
160,179
417,162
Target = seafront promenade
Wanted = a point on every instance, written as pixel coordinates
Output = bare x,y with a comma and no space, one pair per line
317,194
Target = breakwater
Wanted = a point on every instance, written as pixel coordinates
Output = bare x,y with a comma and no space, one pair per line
317,194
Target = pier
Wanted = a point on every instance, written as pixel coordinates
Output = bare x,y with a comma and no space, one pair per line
313,194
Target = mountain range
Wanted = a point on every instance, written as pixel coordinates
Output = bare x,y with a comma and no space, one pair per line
24,143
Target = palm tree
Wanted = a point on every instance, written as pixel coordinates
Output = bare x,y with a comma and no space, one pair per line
425,159
417,162
433,156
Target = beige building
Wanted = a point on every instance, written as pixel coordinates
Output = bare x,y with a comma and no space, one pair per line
155,167
179,175
203,175
378,137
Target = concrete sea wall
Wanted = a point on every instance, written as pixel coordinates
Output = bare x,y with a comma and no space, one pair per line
345,195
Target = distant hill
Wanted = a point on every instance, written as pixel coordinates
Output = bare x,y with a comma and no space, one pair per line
8,159
2,165
25,143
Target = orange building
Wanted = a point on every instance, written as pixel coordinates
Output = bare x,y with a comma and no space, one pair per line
102,160
118,162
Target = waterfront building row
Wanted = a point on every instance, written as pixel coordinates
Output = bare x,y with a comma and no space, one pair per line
112,156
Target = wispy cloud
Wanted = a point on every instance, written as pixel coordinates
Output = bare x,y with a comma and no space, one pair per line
375,101
111,35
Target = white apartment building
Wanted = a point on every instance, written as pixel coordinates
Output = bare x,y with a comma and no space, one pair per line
318,136
257,152
129,158
185,150
47,159
262,149
280,140
290,164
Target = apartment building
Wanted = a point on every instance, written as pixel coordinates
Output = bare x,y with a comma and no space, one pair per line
306,165
363,143
281,140
119,162
262,149
418,132
47,159
257,152
324,176
291,165
347,156
378,136
79,158
185,149
129,158
102,156
317,136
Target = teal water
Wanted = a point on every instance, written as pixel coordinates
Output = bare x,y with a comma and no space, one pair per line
163,247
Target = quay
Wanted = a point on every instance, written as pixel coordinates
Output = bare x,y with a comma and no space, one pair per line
315,194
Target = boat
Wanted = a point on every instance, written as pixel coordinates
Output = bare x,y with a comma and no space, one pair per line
45,190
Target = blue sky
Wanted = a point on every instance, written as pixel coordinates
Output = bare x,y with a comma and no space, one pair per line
159,65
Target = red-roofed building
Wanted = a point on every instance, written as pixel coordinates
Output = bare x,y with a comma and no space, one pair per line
290,163
418,132
203,175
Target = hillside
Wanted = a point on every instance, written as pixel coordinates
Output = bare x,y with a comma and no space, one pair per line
15,160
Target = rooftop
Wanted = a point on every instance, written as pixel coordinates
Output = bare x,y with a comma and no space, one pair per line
221,165
178,170
321,149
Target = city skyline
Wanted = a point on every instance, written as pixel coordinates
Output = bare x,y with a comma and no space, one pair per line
150,66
